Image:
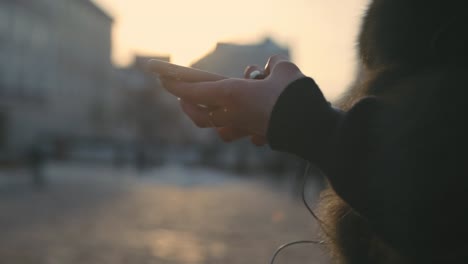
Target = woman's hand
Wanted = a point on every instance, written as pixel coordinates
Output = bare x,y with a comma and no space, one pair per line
237,107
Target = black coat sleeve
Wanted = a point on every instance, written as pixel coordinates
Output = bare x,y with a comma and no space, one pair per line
338,142
398,161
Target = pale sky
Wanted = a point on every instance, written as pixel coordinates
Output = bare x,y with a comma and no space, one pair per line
320,33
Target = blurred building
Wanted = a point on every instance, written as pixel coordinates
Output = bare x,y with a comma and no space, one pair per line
55,71
143,110
231,59
147,116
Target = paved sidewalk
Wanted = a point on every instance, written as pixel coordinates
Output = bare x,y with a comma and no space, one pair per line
100,215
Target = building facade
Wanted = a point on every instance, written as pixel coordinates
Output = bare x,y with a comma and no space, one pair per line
55,70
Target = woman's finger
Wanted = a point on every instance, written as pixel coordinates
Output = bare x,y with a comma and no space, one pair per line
205,93
229,134
197,114
273,61
208,117
281,71
222,117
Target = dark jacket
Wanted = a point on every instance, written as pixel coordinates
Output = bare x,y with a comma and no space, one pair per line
398,158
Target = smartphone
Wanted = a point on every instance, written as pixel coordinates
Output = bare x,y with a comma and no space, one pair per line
177,72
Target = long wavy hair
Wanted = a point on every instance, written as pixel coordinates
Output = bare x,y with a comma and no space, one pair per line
399,39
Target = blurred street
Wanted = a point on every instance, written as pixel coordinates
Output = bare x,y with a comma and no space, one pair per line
99,215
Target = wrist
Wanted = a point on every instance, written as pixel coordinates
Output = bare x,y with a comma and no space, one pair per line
302,120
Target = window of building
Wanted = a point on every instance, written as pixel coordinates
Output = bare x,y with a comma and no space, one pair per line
31,73
50,74
3,66
39,36
10,76
4,36
3,129
4,21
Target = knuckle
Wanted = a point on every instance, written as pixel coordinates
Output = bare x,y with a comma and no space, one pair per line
274,60
286,67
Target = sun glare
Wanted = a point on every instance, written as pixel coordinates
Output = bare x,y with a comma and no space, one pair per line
320,34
